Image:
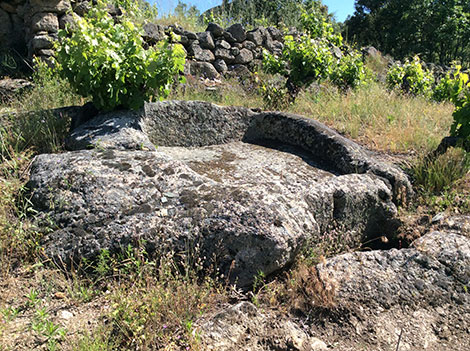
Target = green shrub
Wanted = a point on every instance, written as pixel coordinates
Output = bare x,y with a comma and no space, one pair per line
452,86
350,72
275,94
410,78
106,60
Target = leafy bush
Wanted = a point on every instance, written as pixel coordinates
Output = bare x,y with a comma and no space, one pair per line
350,72
275,94
106,60
410,78
452,86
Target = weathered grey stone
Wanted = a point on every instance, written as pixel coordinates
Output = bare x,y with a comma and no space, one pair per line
190,35
235,51
220,66
42,42
45,21
238,32
252,206
336,51
215,29
225,55
153,33
115,130
255,36
67,20
275,33
420,291
205,40
228,37
246,327
200,54
9,88
249,45
222,44
202,69
239,71
55,6
245,56
46,52
81,8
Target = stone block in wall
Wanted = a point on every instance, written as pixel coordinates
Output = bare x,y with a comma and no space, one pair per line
56,6
8,7
220,66
247,44
229,37
256,36
238,32
67,21
153,33
222,44
81,8
201,69
225,55
245,56
216,30
200,54
190,35
205,40
235,51
275,33
238,71
42,41
44,21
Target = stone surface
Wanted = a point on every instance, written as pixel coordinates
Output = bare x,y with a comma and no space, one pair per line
6,29
225,55
116,130
67,20
44,21
153,33
56,6
201,54
206,41
245,327
220,66
238,32
245,56
215,29
252,203
255,36
418,291
9,88
42,41
202,69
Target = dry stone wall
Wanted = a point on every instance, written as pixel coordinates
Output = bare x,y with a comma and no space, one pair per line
31,26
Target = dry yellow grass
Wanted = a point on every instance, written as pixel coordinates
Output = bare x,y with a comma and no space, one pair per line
381,119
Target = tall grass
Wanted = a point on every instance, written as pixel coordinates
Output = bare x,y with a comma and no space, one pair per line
379,118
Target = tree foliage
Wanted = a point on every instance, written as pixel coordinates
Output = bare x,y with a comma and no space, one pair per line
266,12
437,30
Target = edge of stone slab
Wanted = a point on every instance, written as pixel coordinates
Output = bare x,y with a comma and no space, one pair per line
342,154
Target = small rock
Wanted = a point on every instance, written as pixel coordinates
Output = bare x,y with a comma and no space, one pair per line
222,44
153,33
64,314
437,218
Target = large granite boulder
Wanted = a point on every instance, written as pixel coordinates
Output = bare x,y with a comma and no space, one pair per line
250,189
420,293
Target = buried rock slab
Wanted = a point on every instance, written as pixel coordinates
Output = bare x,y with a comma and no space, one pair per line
249,196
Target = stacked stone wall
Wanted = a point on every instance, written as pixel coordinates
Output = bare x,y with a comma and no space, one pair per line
31,28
